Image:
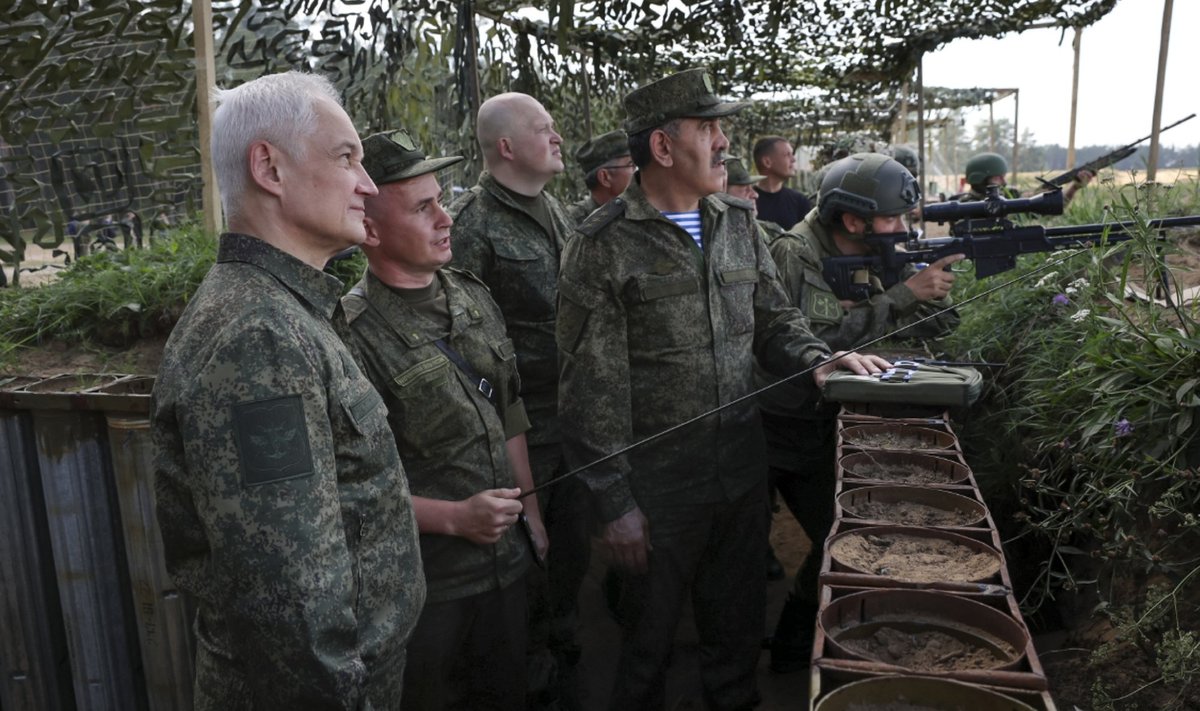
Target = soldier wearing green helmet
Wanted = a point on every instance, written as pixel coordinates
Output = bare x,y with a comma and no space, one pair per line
984,170
862,194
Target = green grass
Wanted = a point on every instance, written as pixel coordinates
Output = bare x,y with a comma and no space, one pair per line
1088,441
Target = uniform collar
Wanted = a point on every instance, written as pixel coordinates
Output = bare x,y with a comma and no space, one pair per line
411,329
639,208
320,290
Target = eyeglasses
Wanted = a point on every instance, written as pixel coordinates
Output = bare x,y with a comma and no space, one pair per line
620,167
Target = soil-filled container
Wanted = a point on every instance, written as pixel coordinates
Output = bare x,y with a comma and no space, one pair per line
911,506
916,693
925,632
902,468
897,437
914,555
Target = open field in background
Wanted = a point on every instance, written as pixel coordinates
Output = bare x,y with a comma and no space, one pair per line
1179,177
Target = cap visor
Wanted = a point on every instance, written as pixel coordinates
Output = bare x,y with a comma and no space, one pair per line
419,168
718,110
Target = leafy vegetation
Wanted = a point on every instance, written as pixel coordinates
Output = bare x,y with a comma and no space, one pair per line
1089,440
111,298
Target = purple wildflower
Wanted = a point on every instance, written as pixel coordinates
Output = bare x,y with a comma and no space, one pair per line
1060,300
1124,427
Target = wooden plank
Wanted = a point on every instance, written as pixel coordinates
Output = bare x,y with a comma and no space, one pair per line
202,39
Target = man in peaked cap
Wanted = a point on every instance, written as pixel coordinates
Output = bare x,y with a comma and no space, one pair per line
666,297
607,170
434,344
739,182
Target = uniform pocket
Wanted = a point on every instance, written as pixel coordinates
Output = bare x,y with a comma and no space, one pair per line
420,379
737,293
515,250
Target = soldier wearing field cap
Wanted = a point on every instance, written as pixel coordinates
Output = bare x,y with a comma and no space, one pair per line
666,297
434,344
607,170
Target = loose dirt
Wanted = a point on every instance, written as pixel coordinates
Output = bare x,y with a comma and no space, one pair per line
900,473
890,440
911,513
914,558
923,647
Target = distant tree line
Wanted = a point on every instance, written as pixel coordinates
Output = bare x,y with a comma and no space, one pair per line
956,146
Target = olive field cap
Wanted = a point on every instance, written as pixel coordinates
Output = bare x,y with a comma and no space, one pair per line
983,166
737,173
393,155
601,149
687,94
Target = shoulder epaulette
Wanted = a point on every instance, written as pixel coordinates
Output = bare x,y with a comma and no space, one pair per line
735,201
468,275
460,203
603,215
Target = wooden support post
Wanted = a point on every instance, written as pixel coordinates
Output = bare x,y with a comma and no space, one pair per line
1016,134
587,100
1074,99
202,38
921,129
1152,161
991,126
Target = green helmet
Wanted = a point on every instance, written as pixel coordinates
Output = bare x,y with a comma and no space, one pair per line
984,166
868,185
908,158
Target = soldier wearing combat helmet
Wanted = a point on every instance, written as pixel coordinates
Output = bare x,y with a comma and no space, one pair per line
666,297
865,193
985,170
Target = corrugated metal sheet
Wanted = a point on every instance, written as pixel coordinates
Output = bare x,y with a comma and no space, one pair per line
35,669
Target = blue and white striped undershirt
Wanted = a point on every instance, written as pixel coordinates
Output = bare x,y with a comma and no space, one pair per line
689,221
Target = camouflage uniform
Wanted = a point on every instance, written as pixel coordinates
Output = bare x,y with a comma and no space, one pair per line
502,244
452,440
798,255
283,505
652,332
578,212
506,247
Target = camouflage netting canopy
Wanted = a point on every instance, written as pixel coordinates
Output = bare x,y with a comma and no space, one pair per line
97,100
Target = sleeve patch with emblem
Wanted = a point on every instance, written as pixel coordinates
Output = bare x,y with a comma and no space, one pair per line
272,440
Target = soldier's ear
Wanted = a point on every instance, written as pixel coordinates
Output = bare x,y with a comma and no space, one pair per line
265,169
853,224
660,148
372,239
505,149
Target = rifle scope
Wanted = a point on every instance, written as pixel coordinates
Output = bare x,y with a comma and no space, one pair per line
1047,203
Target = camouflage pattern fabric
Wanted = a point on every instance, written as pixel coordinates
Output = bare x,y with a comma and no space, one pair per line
798,254
449,435
652,332
577,212
503,245
283,505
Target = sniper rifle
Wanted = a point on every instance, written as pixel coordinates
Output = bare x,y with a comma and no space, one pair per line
1094,166
980,231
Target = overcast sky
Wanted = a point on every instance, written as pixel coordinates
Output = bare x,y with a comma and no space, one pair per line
1118,66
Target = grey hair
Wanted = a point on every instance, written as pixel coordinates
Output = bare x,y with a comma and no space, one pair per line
277,108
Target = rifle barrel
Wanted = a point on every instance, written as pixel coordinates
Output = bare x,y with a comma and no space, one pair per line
1098,228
